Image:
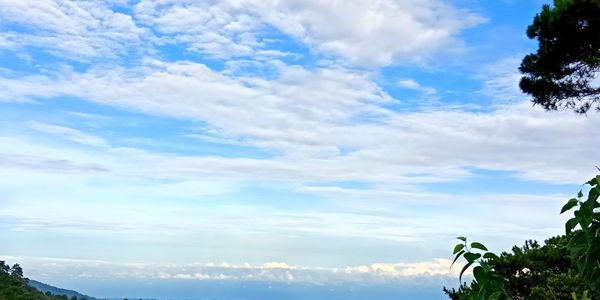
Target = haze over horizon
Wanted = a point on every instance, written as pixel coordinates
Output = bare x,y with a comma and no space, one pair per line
285,142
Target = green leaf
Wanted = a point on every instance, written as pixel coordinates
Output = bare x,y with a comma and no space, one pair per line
572,203
458,248
462,238
479,274
571,224
463,271
471,257
580,194
479,246
456,257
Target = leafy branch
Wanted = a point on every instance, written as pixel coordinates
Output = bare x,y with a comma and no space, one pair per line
584,244
491,284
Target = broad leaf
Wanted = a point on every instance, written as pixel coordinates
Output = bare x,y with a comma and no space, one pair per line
458,248
571,224
572,203
471,257
463,271
479,246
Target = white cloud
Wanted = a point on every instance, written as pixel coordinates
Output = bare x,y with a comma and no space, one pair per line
276,265
310,116
366,33
78,30
435,267
220,29
374,32
414,85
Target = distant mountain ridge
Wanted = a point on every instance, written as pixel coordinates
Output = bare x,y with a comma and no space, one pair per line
43,287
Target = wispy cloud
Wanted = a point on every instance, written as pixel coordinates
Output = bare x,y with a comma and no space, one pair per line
70,134
309,129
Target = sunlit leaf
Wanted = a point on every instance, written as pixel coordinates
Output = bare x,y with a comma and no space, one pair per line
457,248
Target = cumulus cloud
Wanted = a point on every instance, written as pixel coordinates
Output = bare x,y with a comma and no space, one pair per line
365,33
220,29
276,265
374,32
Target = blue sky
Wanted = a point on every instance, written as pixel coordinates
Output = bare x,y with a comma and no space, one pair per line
341,141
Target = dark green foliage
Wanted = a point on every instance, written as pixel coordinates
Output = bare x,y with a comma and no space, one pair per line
463,292
16,271
540,272
561,72
4,268
532,272
566,267
13,286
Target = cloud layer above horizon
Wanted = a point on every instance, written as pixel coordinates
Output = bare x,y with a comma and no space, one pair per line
316,134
